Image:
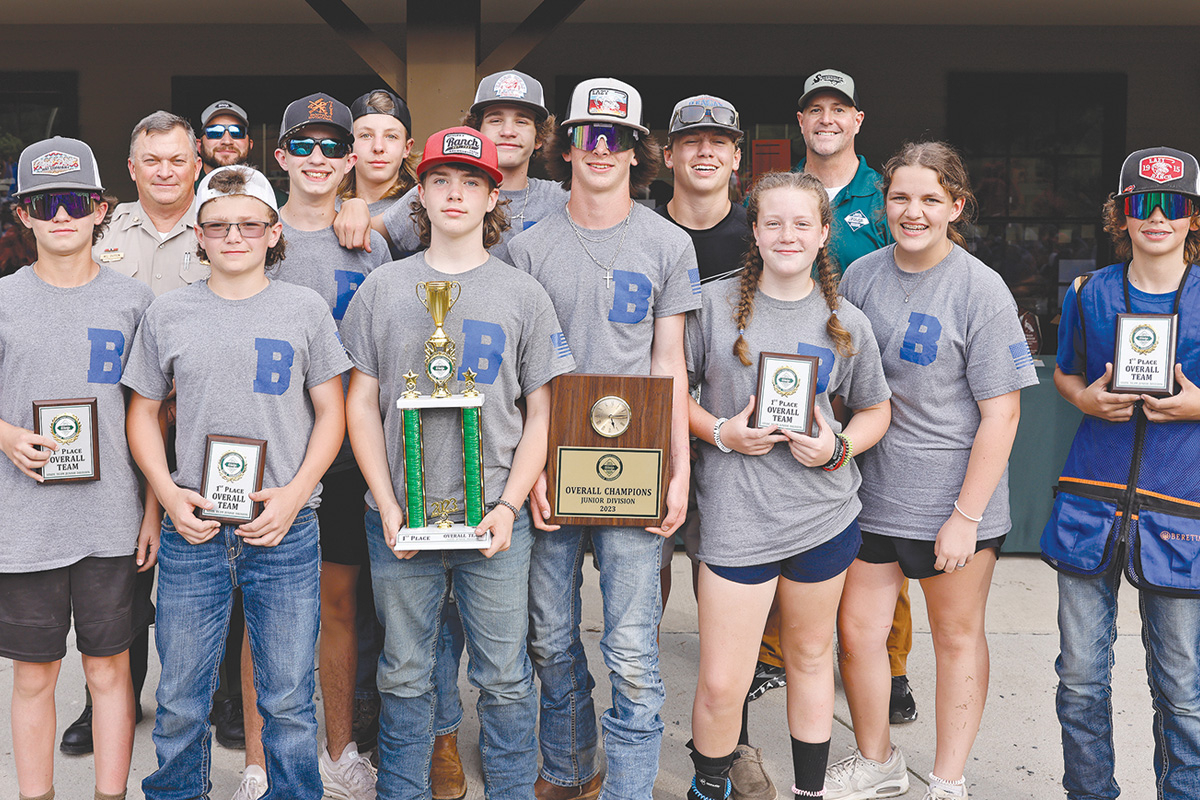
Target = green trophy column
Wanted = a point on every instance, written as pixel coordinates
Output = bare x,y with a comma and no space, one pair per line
472,465
414,468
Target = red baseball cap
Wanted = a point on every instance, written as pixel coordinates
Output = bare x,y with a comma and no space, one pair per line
461,146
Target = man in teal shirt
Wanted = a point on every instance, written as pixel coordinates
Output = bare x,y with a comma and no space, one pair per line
829,120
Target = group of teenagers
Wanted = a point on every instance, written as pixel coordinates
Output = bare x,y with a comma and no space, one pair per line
298,328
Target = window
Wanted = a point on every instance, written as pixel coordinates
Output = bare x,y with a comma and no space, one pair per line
34,106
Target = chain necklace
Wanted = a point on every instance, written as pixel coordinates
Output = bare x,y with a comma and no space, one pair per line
915,286
608,278
524,205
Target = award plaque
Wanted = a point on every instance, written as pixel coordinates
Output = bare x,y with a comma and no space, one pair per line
427,520
787,392
233,468
1144,356
72,425
610,440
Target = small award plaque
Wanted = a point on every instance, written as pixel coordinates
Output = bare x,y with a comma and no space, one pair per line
233,468
610,439
787,392
71,424
1144,356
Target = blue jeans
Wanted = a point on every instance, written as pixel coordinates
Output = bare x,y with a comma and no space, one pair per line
628,560
1087,620
449,711
492,600
281,596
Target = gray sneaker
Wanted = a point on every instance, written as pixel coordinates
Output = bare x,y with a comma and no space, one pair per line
938,793
750,781
253,785
859,778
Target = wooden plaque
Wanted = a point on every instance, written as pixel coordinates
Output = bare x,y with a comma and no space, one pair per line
233,468
75,425
1144,354
618,477
787,392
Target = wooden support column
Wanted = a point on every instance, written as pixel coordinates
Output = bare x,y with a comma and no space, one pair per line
370,48
443,49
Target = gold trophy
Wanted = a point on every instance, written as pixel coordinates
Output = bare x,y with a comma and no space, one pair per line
439,350
420,531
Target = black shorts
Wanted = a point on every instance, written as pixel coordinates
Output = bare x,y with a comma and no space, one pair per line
36,607
826,560
915,556
340,516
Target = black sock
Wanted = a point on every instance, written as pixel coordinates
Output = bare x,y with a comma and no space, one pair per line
809,762
712,776
744,736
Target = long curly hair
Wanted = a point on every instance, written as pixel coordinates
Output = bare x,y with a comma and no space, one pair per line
495,222
752,264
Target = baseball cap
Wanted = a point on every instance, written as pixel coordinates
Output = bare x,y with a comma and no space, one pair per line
1159,169
360,108
461,146
606,100
316,109
58,163
704,111
512,87
224,107
829,80
256,186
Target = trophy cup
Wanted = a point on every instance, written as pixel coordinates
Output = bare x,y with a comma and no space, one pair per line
439,298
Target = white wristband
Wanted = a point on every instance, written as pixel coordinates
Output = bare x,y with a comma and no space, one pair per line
717,435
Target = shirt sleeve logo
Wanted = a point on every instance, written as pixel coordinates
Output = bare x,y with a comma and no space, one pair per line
1020,355
559,342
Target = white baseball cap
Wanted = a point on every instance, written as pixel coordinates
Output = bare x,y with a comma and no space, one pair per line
256,186
606,100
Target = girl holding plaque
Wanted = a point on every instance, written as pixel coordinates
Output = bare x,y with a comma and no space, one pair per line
935,490
1154,221
777,507
503,340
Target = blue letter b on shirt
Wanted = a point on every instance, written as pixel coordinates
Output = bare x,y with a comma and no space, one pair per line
104,364
483,350
921,338
631,297
273,374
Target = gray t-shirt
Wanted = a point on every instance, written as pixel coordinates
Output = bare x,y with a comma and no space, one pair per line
538,200
240,368
953,341
57,344
611,328
759,509
504,329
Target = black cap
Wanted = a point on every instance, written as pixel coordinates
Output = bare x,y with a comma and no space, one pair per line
360,108
1159,169
316,109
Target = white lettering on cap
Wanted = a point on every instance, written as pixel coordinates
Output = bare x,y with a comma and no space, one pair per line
834,79
1161,169
510,85
462,144
55,163
608,103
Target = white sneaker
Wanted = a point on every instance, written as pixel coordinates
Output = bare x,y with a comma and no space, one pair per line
938,793
351,777
253,785
859,778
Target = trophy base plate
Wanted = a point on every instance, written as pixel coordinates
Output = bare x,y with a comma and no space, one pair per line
456,537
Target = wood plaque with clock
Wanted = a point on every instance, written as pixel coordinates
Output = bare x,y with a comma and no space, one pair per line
610,448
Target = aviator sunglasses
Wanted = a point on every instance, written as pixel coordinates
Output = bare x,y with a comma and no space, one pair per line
45,205
1173,205
330,148
616,137
234,130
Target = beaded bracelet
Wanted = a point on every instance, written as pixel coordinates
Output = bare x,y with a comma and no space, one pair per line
724,448
842,454
807,793
838,449
509,506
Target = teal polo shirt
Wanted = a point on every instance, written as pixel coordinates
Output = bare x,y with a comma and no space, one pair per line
859,225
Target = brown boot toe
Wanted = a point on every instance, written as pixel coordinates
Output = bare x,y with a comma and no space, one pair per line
446,771
545,790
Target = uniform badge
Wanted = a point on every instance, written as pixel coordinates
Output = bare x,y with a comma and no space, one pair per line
856,220
110,255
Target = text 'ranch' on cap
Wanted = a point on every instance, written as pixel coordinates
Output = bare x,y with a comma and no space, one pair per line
606,100
462,145
1159,169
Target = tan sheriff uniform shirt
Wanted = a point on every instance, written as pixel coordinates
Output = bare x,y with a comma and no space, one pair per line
132,246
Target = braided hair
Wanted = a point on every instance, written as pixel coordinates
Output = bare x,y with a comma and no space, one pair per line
752,264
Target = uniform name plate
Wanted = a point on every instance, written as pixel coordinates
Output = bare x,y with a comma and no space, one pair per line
1144,355
787,392
610,440
72,424
233,468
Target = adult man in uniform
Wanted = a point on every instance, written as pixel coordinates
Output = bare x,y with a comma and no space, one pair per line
150,239
621,279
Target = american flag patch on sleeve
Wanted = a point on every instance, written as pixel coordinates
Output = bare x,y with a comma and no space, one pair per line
1020,355
559,342
694,277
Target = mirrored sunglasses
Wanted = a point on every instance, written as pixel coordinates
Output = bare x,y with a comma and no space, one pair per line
616,137
45,205
694,113
247,230
1173,205
330,148
235,131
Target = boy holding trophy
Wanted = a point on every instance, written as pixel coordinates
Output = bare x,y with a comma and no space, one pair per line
494,329
256,365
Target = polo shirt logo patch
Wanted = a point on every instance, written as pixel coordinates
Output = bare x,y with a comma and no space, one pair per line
55,163
856,220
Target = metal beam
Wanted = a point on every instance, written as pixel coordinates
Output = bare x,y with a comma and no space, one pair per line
540,23
369,47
